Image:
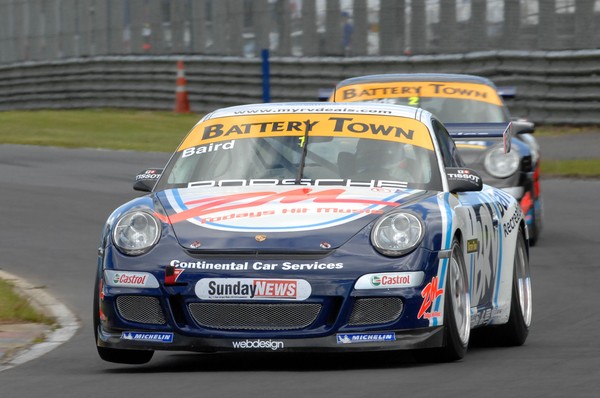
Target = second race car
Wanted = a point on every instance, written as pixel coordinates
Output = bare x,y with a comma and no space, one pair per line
467,105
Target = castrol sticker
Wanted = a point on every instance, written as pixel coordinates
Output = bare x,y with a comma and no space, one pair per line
390,280
130,279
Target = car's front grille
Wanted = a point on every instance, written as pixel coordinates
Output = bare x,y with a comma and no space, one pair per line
375,310
241,316
141,309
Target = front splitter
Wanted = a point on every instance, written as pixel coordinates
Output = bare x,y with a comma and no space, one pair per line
339,342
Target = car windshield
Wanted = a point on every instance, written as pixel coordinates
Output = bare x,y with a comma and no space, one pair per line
287,149
451,102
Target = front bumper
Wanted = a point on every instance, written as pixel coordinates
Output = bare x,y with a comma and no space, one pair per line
334,313
371,341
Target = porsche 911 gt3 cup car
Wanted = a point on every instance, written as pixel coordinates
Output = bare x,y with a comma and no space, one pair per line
466,104
312,227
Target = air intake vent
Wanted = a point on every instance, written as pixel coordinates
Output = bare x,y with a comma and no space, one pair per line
375,310
141,309
254,316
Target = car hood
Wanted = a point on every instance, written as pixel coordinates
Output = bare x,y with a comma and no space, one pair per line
275,218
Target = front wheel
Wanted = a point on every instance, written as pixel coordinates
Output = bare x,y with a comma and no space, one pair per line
457,317
457,312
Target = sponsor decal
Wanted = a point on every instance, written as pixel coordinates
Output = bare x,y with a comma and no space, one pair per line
485,259
258,344
472,245
172,274
256,266
390,280
379,127
464,175
353,338
150,174
252,289
306,208
505,200
207,148
429,294
143,336
314,266
481,317
414,90
513,222
204,265
130,279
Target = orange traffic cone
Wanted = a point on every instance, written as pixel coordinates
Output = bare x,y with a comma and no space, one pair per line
182,103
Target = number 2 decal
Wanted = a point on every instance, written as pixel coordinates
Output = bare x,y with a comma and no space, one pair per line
413,101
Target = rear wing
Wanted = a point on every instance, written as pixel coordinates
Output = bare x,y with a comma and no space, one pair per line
482,130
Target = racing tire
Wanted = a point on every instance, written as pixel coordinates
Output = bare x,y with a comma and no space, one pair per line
515,331
131,357
457,312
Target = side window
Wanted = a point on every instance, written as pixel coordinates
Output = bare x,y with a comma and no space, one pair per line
449,151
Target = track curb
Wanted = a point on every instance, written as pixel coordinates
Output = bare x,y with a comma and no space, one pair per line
66,322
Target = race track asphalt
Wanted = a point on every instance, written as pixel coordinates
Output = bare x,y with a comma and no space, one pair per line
53,204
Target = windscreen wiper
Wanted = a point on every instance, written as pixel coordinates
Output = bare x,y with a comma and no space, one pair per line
308,126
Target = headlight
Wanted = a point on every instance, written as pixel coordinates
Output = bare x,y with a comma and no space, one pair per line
500,164
136,232
397,233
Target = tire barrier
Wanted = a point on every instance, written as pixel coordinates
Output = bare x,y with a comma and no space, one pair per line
560,87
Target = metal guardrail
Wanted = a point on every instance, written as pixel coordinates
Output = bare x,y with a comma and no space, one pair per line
561,87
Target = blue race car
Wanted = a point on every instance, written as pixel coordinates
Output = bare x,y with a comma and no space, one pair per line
466,104
312,227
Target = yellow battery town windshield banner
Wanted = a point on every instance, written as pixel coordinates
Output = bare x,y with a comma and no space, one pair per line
373,91
388,128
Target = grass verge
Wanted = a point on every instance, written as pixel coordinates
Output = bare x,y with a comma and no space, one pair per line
14,308
97,128
587,168
556,130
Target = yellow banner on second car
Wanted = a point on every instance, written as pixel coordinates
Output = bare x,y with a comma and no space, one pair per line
373,91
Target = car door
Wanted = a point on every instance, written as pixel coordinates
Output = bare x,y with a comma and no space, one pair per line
479,217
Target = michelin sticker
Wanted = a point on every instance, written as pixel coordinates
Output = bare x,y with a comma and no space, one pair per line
353,338
143,336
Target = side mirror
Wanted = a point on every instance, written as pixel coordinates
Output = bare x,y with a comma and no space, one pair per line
325,94
462,179
146,180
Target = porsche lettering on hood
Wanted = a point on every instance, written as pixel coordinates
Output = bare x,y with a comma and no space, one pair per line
276,209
